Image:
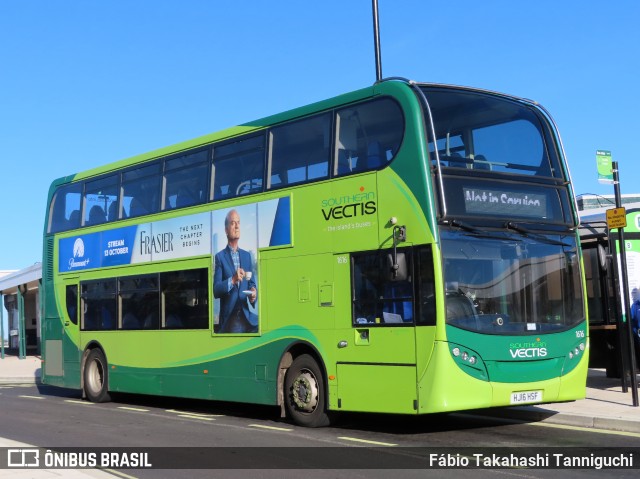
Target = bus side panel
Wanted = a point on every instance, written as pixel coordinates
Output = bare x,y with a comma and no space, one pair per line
71,354
249,375
425,344
445,387
573,384
377,388
62,364
300,292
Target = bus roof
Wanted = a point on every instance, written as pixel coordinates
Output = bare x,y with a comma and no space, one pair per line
386,86
231,132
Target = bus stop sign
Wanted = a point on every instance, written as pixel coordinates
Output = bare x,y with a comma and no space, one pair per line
616,218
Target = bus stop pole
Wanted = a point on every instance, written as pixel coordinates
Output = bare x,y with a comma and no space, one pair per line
621,350
625,286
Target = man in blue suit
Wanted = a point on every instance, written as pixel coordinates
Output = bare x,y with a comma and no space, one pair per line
234,284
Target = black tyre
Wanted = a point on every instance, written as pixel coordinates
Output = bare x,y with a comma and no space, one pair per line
305,393
96,377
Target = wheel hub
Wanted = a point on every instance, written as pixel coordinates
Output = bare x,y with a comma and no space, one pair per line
95,377
305,392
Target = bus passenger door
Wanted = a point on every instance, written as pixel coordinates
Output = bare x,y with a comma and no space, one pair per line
70,312
376,357
60,333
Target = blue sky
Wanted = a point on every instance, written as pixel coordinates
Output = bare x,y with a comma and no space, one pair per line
83,83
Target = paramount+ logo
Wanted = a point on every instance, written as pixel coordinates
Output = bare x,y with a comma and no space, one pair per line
528,349
78,260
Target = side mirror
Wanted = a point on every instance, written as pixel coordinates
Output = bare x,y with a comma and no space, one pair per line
399,235
603,257
398,270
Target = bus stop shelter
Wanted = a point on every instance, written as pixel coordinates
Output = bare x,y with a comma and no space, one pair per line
20,295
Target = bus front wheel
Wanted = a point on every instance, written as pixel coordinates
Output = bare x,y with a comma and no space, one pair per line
96,375
304,393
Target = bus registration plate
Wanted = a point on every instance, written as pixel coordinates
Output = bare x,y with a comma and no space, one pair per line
524,397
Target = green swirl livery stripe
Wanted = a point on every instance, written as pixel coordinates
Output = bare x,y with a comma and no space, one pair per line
290,333
243,373
413,203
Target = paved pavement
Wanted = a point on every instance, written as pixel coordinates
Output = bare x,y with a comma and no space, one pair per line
14,370
605,407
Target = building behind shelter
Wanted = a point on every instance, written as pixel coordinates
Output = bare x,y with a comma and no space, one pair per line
20,295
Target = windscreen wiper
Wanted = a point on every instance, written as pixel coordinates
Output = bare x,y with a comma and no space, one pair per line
476,232
463,226
510,225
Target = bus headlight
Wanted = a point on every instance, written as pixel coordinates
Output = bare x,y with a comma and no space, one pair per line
577,350
469,361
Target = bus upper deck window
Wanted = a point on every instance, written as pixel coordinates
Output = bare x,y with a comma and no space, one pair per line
141,191
65,208
238,167
300,151
101,199
186,180
368,136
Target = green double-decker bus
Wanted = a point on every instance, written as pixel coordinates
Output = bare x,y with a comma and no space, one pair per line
406,248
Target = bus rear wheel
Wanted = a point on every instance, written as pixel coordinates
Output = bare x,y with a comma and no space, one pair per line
305,394
96,375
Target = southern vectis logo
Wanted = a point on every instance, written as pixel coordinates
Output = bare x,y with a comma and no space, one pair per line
349,206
